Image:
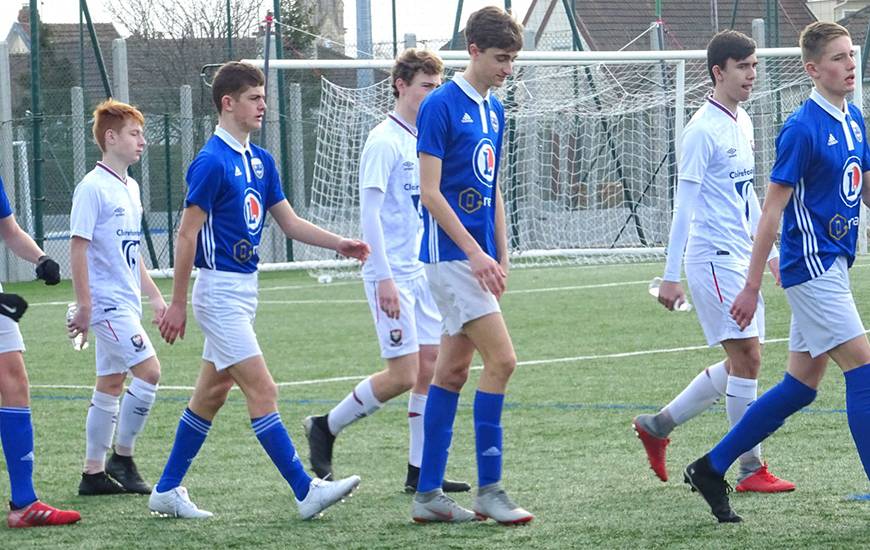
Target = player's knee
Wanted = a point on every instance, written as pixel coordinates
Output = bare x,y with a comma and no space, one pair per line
266,394
503,366
14,385
148,371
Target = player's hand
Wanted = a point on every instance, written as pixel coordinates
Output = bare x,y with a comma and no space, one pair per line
12,305
353,248
173,323
671,294
159,307
80,323
773,265
48,270
743,307
488,272
388,298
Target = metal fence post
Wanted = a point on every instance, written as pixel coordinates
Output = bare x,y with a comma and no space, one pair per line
77,101
119,70
168,167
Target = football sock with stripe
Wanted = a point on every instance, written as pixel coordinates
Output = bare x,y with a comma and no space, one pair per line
416,411
99,429
135,407
437,434
276,441
359,403
16,434
739,395
189,437
858,411
764,417
702,392
488,436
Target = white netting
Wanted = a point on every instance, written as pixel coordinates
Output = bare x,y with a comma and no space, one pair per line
589,161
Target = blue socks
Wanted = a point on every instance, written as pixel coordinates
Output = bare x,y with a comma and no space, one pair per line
189,437
274,438
437,433
16,433
858,411
764,417
488,436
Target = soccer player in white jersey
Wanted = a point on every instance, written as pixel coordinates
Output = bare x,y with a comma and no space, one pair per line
232,183
816,186
715,216
16,426
460,136
109,276
406,318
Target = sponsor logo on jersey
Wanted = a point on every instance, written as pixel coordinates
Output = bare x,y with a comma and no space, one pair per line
408,165
732,152
484,162
839,226
257,165
832,140
857,131
130,249
119,211
138,342
396,337
253,211
466,119
470,200
243,251
493,121
850,189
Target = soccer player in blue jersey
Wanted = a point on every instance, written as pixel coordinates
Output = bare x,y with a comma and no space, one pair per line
816,187
16,427
460,129
232,183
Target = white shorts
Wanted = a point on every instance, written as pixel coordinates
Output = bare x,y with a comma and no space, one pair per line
10,336
714,287
823,312
120,343
458,295
419,323
225,305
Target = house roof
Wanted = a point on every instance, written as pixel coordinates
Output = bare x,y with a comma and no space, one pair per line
857,25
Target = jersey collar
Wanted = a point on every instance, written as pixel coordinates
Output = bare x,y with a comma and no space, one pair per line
232,142
469,90
394,116
837,113
724,109
107,168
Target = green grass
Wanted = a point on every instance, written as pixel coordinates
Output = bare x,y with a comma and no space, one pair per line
570,454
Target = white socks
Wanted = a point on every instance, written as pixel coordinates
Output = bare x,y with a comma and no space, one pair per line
135,407
358,404
739,395
99,429
416,406
704,390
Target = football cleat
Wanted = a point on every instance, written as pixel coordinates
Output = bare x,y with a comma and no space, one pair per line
436,507
40,514
655,448
320,442
123,470
175,503
492,502
762,481
712,487
322,494
99,484
447,485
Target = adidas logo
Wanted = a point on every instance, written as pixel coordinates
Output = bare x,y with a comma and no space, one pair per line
238,172
28,457
466,119
492,451
832,140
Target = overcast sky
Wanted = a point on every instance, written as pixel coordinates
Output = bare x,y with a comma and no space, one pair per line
428,20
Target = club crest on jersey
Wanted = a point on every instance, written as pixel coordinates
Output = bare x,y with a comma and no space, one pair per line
857,131
484,162
257,165
130,249
850,188
253,211
493,121
138,342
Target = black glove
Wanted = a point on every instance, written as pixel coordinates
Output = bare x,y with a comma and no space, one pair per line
48,270
12,306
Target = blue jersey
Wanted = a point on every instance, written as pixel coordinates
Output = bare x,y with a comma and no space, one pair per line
5,207
235,185
822,153
465,131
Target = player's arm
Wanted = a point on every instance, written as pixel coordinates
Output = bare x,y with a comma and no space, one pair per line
174,321
754,217
671,291
501,246
78,259
865,189
304,231
19,242
149,287
775,201
486,270
371,200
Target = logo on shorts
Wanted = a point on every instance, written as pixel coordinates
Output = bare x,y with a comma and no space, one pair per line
850,188
257,165
470,200
243,251
138,342
484,162
253,211
396,337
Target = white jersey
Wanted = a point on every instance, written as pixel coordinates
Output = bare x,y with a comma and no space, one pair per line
107,211
389,163
717,153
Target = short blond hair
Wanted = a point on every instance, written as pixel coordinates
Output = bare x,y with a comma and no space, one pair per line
112,115
816,36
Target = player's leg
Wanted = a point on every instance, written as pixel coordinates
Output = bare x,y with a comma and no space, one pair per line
100,425
853,357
